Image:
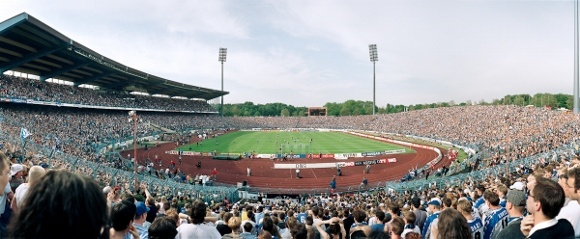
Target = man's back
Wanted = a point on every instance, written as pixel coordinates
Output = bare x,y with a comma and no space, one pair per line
195,231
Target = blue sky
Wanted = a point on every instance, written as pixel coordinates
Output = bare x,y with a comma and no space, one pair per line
310,52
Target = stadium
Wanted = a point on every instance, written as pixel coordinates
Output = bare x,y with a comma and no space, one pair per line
181,145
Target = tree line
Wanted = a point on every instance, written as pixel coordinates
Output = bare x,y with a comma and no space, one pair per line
358,107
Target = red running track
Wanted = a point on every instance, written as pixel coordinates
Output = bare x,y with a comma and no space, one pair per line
268,179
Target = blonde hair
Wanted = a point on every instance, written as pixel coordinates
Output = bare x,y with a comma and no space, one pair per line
234,223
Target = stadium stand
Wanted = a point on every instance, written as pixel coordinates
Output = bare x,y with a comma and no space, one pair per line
71,126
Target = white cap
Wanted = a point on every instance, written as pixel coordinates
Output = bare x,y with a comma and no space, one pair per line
517,186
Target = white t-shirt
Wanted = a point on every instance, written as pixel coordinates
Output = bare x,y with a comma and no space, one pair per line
571,212
20,194
194,231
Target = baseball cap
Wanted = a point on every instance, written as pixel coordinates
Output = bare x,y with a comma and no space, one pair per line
106,189
435,201
15,168
141,208
517,186
516,197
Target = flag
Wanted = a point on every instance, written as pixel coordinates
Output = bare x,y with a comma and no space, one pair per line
24,134
56,142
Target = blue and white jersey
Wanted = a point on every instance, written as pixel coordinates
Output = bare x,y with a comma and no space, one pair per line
502,202
427,226
302,217
476,228
494,221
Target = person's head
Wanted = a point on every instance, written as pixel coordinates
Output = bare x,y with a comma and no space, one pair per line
234,223
416,202
298,231
515,201
309,220
434,205
380,216
412,235
546,198
378,235
502,191
34,174
464,206
265,235
409,217
198,212
359,215
248,227
398,225
453,225
394,208
70,204
570,183
4,171
491,198
163,228
122,215
142,210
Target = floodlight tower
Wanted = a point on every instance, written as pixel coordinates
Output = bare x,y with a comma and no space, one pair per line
222,59
576,61
374,58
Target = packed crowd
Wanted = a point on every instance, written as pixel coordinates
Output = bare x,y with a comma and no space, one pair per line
538,202
30,89
524,202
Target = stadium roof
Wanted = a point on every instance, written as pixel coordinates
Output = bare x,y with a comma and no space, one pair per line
28,45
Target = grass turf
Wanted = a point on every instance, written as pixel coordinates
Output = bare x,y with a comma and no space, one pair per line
271,142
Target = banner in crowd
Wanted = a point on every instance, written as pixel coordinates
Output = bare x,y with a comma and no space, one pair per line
334,165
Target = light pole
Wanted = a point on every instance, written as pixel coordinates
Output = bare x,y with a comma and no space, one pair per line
222,59
576,62
374,58
134,118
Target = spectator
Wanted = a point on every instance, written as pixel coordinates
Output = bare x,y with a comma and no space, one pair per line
420,215
247,231
33,175
496,218
234,225
122,215
163,228
452,224
431,221
65,200
515,205
197,229
465,207
410,226
299,231
140,223
571,209
359,229
335,229
544,203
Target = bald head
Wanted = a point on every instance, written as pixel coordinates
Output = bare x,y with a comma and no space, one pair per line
35,173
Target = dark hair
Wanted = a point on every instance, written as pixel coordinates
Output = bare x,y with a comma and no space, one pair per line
359,215
491,197
163,228
269,226
453,225
248,227
378,235
197,212
550,195
380,215
298,231
309,220
122,214
62,204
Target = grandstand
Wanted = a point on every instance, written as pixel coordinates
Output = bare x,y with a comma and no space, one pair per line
76,127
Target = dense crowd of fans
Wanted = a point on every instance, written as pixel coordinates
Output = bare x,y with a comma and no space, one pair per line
538,199
30,89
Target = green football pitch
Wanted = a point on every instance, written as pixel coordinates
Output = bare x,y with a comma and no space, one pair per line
273,142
